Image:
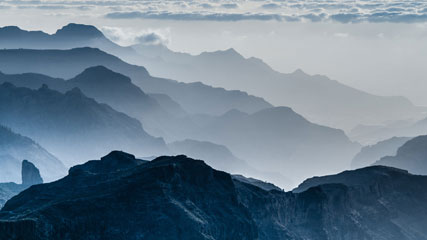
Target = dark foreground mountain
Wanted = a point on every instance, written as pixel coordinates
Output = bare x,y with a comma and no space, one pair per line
14,148
121,197
372,153
71,123
30,176
194,97
412,156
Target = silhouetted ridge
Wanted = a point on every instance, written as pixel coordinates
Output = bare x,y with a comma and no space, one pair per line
181,198
362,177
73,30
115,161
101,75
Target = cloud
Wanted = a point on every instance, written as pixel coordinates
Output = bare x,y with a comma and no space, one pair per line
270,6
197,16
230,5
345,12
127,36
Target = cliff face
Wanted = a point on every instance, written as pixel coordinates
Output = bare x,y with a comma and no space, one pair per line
121,197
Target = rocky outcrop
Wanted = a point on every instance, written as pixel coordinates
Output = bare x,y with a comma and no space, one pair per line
120,197
30,174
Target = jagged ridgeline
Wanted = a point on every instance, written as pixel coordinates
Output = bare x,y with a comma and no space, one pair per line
121,197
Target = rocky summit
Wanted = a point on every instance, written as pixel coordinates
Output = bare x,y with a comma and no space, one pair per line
121,197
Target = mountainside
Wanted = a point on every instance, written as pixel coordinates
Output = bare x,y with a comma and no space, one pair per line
14,148
71,123
193,97
120,197
412,156
372,153
280,140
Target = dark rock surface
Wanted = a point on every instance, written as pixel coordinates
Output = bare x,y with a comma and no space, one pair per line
180,198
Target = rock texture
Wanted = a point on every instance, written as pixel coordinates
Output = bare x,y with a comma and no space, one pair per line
120,197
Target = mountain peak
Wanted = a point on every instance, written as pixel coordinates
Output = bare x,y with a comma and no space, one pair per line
101,73
299,72
112,162
74,30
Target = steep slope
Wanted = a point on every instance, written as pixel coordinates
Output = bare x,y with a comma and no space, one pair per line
412,156
194,97
372,153
180,198
280,140
71,123
14,148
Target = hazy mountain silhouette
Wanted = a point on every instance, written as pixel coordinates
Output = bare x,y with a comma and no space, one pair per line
180,198
116,90
194,97
280,140
370,154
377,133
221,158
412,156
317,97
72,123
14,148
30,176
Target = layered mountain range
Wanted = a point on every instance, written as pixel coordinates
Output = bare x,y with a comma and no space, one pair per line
70,123
276,139
317,97
121,197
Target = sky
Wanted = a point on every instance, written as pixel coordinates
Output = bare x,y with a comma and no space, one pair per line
376,46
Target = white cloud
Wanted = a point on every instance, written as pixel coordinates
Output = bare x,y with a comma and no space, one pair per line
127,36
401,11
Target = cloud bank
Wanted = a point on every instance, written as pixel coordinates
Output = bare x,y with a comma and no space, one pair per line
395,11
